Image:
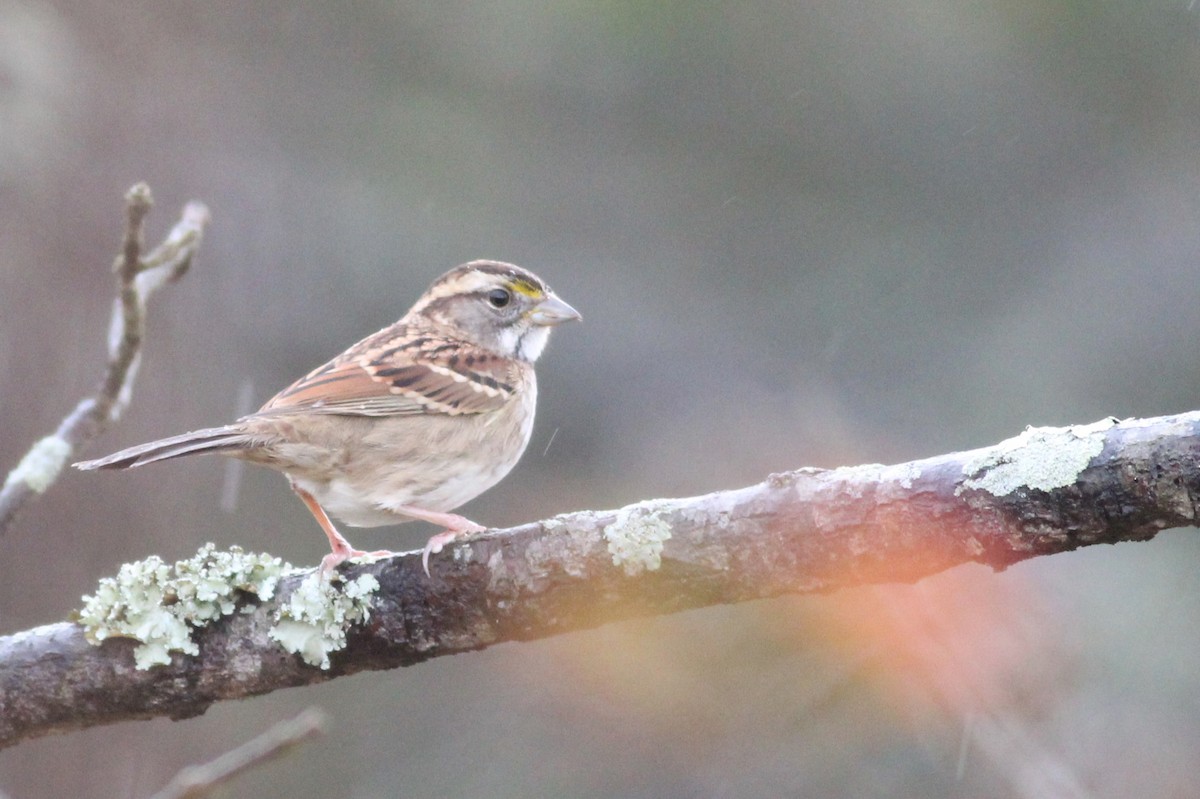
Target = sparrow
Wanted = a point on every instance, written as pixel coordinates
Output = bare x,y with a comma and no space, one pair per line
408,423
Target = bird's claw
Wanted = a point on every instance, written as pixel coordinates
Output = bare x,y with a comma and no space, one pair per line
436,543
330,562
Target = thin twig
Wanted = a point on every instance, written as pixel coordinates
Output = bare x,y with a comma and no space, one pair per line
194,782
138,277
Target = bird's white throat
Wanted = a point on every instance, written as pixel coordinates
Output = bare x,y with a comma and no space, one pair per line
525,343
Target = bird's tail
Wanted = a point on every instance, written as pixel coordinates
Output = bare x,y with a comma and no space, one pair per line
214,439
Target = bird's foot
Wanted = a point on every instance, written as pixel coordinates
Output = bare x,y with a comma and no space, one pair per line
330,562
456,527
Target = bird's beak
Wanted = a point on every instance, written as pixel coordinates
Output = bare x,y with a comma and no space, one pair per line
552,311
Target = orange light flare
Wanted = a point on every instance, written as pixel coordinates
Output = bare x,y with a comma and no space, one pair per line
966,642
966,663
968,656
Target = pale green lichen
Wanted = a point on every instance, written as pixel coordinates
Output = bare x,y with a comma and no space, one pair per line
313,621
1041,458
159,604
635,539
41,465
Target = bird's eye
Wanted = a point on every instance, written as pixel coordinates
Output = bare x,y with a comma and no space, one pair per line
499,298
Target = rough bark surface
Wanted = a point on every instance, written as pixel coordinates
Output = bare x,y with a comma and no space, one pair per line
1048,490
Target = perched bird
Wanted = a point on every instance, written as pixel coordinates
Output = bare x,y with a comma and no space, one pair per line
408,423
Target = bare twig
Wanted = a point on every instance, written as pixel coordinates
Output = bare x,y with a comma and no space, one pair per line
194,782
1045,491
138,278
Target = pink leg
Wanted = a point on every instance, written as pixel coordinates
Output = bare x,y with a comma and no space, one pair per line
456,527
340,546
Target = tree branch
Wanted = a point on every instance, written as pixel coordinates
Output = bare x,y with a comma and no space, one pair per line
138,278
1047,490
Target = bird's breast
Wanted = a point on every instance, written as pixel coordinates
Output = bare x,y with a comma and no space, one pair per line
435,463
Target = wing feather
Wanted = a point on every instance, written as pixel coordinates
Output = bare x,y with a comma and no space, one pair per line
404,371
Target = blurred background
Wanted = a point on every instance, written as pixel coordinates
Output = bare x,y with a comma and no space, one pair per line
800,234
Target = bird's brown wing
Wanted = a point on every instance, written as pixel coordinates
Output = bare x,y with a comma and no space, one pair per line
403,371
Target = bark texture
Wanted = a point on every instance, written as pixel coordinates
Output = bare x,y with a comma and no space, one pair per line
1045,491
